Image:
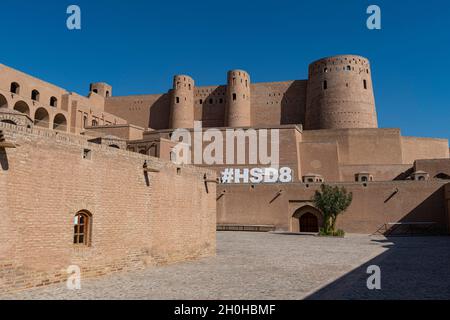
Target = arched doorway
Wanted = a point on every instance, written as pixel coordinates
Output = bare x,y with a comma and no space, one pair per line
309,223
306,219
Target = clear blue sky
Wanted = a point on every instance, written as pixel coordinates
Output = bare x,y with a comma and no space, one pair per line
137,46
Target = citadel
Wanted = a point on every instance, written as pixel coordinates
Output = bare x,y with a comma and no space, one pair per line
93,180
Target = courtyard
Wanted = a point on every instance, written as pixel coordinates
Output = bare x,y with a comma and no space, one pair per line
283,266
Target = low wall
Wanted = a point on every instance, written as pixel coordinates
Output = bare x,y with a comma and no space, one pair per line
373,205
138,219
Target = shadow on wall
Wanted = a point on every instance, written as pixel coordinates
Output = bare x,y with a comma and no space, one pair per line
404,175
4,159
410,268
293,104
159,115
213,109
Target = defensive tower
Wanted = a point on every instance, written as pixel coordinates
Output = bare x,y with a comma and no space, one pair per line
340,94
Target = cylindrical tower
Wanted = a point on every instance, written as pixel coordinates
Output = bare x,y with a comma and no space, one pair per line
238,99
340,94
182,102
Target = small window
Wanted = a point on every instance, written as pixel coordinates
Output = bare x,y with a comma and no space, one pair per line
95,91
53,102
178,171
211,101
35,95
220,100
325,85
201,101
349,68
107,94
94,123
81,228
85,121
234,96
365,84
87,154
234,81
246,83
15,88
178,99
189,86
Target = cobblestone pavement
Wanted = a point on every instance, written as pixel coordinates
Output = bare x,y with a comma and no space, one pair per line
281,266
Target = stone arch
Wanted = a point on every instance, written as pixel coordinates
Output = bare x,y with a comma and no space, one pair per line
22,107
3,102
307,217
9,121
41,118
60,122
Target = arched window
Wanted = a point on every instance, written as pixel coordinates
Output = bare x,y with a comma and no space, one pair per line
107,94
95,91
325,85
15,88
82,228
85,121
53,102
35,95
94,123
234,96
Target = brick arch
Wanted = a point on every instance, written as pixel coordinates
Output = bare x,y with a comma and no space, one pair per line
3,101
60,122
41,118
303,212
22,107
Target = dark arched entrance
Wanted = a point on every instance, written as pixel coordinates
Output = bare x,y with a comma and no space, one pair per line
309,223
306,219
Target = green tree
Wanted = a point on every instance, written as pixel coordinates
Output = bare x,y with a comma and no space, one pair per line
332,201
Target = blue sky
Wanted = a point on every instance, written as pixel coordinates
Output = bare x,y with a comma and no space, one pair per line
137,46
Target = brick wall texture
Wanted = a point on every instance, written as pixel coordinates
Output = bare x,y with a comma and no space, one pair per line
138,219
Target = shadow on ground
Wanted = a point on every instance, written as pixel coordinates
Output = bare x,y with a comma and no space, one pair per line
411,268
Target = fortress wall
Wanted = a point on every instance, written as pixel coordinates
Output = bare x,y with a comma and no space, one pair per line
320,158
136,221
361,146
433,167
277,103
414,148
146,111
372,206
27,84
124,131
210,105
382,172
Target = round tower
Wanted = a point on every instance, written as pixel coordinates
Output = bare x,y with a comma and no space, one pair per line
182,102
238,98
102,89
340,94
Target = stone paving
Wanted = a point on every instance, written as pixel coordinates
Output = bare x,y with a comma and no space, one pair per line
281,266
